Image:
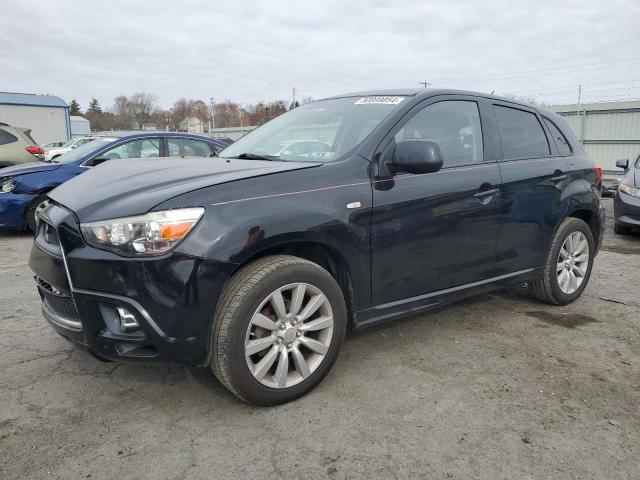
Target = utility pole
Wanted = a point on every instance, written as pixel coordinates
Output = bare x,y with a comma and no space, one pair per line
580,117
213,116
293,103
425,84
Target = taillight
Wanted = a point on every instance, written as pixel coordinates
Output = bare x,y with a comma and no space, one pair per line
35,150
598,169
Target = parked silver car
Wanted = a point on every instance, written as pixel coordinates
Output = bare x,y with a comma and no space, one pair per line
52,153
17,146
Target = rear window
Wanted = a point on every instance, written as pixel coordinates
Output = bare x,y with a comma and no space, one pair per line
558,137
6,137
521,133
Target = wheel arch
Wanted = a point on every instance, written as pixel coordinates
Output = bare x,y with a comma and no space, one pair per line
590,217
321,253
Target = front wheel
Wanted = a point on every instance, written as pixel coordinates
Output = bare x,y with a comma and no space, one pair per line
35,208
568,264
279,326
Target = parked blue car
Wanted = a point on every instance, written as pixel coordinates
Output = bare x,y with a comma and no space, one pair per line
23,188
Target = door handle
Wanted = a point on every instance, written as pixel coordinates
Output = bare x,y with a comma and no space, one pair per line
485,196
486,193
558,178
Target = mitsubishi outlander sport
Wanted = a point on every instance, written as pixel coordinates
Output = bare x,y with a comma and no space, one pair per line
255,263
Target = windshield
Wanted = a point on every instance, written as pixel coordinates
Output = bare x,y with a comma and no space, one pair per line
81,151
319,131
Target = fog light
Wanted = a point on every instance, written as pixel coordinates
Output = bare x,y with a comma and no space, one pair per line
127,320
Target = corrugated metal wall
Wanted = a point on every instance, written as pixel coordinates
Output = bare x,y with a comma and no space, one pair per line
47,124
609,131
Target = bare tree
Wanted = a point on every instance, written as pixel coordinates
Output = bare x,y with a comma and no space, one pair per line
142,105
200,110
122,117
181,109
522,99
263,112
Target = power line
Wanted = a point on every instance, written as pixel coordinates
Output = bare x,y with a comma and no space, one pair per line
544,71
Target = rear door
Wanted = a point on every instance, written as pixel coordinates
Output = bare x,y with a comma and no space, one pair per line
438,230
534,175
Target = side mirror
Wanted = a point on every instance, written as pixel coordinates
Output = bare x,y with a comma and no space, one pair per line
96,161
417,156
624,164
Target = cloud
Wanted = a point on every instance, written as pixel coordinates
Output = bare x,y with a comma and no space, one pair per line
249,51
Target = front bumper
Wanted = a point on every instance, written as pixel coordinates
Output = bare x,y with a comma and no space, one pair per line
172,297
13,207
626,210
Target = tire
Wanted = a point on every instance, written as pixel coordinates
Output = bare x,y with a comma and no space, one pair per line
248,296
620,230
34,207
549,289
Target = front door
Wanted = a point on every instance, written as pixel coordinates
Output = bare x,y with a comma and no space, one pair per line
434,231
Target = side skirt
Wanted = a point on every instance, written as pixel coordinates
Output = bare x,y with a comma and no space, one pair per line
409,306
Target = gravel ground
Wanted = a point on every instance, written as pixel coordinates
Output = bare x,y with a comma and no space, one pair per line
496,387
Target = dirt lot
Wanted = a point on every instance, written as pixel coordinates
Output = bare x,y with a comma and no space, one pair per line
496,387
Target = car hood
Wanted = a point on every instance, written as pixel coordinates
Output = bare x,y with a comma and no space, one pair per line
128,187
34,167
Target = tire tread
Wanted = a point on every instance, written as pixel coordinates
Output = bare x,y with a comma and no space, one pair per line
233,294
542,289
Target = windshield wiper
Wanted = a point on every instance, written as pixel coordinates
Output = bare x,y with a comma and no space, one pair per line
253,156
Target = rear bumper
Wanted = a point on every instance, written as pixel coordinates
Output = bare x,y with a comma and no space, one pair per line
12,210
626,210
84,292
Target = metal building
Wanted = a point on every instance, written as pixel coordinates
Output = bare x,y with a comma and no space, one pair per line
45,115
79,126
609,131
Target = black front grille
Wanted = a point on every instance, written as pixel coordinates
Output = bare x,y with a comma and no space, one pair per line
58,303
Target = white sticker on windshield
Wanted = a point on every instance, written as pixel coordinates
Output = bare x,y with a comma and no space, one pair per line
379,100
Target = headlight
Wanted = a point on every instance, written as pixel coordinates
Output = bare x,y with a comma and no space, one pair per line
7,185
154,233
629,190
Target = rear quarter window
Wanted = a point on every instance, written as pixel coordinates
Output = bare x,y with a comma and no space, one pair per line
558,137
6,137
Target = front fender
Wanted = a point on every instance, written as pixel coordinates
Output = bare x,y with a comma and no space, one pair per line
260,213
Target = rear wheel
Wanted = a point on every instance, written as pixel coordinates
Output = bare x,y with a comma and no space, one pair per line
620,230
278,328
35,208
568,264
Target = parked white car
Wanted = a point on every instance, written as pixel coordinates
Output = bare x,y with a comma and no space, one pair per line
51,153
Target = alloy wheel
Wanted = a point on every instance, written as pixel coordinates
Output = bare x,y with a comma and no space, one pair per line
573,262
289,335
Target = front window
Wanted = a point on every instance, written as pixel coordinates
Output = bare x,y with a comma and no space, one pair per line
87,148
320,131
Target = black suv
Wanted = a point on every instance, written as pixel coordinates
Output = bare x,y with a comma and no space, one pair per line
339,214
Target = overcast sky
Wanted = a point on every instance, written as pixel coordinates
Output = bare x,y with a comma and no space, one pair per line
259,50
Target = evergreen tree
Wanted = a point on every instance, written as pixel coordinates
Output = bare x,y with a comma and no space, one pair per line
74,108
94,106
